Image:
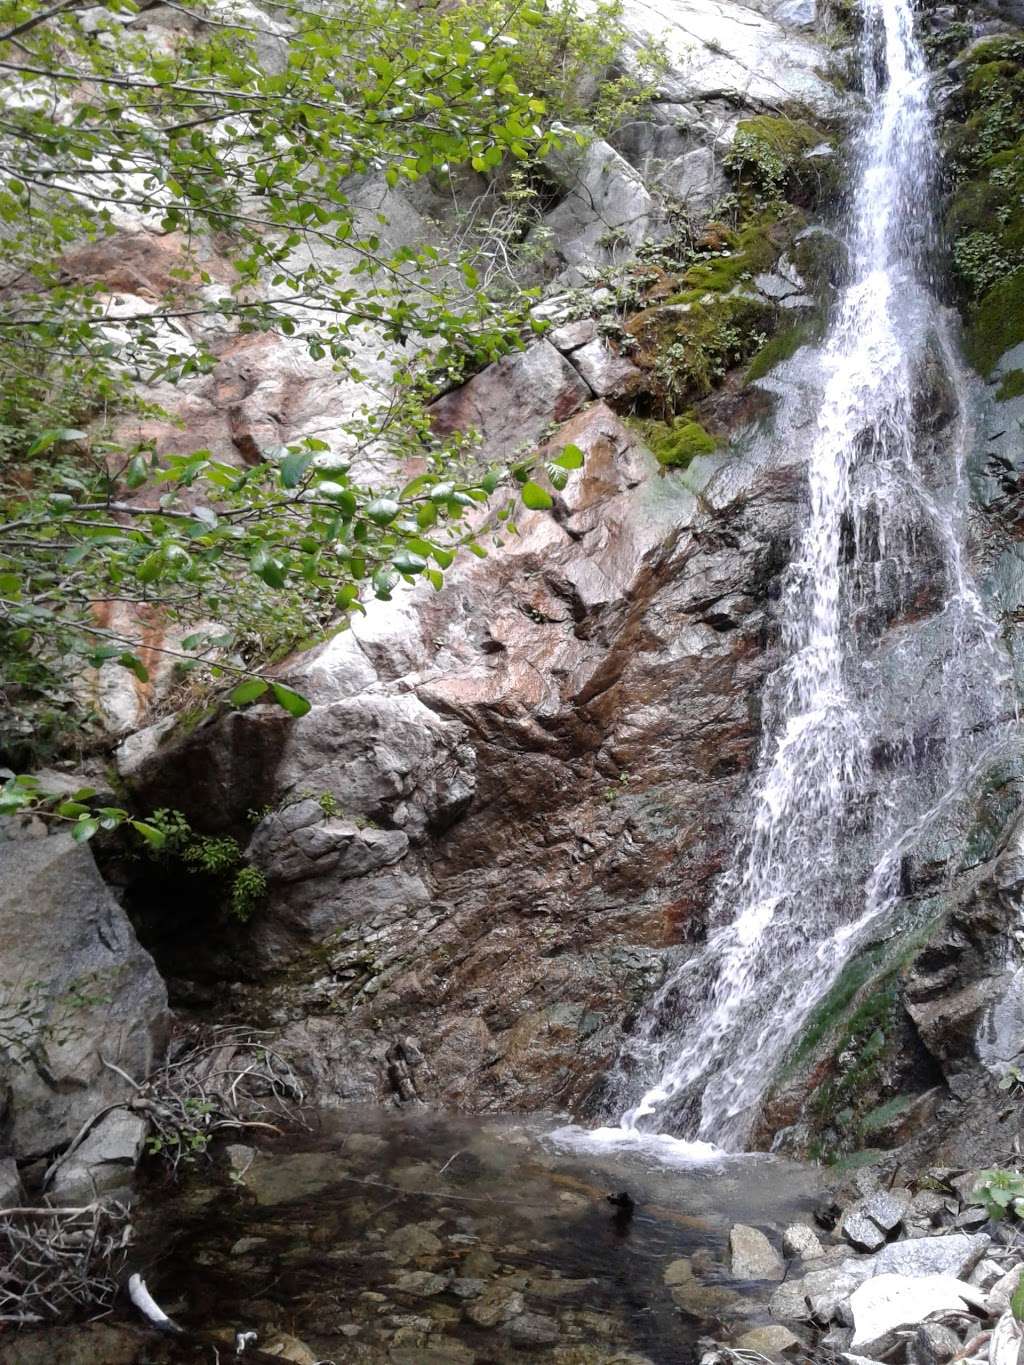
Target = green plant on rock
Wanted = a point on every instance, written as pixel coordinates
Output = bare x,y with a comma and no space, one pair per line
1001,1193
248,891
1012,386
769,157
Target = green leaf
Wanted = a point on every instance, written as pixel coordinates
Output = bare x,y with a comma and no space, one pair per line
294,466
382,511
134,665
570,458
248,691
270,569
84,829
1017,1300
293,702
407,561
150,833
536,498
72,809
49,438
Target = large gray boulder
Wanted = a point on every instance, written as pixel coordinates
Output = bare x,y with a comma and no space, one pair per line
77,991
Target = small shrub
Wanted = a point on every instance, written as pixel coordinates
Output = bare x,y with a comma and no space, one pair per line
248,891
1000,1192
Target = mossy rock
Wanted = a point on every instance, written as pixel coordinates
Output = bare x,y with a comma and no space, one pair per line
1011,387
676,444
996,324
688,347
781,346
769,156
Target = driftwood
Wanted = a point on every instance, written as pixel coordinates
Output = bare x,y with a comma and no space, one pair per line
59,1262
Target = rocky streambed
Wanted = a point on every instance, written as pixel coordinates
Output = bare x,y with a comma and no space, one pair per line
429,1239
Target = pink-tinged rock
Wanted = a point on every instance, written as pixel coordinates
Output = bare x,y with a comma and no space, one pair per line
571,335
512,402
609,374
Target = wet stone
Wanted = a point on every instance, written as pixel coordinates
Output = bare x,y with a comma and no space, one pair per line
532,1329
752,1255
771,1340
468,1288
412,1242
421,1282
498,1304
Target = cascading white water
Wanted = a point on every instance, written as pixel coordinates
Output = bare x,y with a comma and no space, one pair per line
892,683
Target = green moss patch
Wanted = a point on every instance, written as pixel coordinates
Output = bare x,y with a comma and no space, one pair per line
689,347
676,444
783,345
769,158
996,323
1011,387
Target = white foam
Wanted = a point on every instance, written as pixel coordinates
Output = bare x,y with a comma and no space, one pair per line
665,1150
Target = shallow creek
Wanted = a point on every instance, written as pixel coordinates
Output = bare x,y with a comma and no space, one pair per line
427,1239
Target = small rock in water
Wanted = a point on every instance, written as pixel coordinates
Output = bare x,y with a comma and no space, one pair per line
532,1329
799,1240
752,1255
933,1344
423,1283
768,1341
497,1305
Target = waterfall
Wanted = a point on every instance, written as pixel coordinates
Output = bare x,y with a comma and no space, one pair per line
893,683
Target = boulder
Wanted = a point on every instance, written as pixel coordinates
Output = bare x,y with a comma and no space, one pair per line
102,1165
752,1255
512,402
606,211
300,842
869,1222
721,50
10,1183
497,1304
99,999
886,1304
954,1255
609,374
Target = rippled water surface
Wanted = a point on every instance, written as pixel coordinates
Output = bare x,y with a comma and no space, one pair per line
429,1239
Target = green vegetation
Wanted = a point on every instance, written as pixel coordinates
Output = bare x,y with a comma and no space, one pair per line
996,323
768,157
1012,386
675,443
205,135
1001,1192
985,219
783,345
847,1041
689,347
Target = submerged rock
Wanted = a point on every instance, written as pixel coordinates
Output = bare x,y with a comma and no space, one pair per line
752,1255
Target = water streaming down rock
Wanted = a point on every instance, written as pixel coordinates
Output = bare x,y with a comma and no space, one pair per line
890,695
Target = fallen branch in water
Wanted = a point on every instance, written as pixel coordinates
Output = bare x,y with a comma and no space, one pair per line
56,1262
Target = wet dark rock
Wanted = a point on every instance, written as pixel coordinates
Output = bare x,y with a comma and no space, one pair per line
532,1329
498,1304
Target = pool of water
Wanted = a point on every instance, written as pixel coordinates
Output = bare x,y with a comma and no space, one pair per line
434,1239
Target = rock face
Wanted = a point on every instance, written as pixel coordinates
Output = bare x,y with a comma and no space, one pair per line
76,991
549,748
